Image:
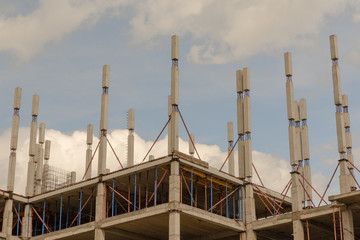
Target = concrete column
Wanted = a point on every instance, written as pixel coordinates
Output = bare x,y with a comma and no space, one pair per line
174,182
174,226
169,126
344,179
174,93
100,210
32,147
230,134
296,204
89,142
99,234
298,230
7,217
174,196
26,229
73,177
14,140
104,120
250,212
347,224
191,145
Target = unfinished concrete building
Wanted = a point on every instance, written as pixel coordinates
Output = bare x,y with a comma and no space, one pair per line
179,196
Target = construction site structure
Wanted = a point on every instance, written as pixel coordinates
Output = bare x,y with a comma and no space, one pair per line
179,196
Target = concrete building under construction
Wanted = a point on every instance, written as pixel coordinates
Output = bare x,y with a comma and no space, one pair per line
179,196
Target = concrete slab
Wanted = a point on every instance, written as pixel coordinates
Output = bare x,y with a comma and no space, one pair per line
346,198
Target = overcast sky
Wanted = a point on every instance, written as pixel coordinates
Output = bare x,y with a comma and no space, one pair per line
57,48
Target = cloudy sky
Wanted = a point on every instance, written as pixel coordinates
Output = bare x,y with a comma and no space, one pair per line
57,48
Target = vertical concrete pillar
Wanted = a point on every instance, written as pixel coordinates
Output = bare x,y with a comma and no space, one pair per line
296,204
250,212
39,158
298,230
175,93
89,142
32,147
345,183
191,146
174,196
100,210
347,224
7,217
14,140
230,134
104,120
169,126
174,226
174,182
73,177
26,229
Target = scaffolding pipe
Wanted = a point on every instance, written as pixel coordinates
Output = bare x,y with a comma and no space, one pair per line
55,215
43,221
155,186
135,193
18,221
227,200
60,214
67,213
112,199
239,205
242,204
234,206
191,187
211,194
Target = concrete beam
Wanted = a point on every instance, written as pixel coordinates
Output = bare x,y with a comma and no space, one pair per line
210,217
272,221
122,234
56,193
137,215
137,168
219,235
68,232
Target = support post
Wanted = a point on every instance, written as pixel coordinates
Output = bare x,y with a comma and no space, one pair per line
250,214
174,196
14,140
211,194
230,134
155,187
104,120
294,147
227,200
131,127
100,210
8,217
112,198
80,205
60,214
135,192
32,148
344,177
174,93
27,222
89,142
191,187
18,220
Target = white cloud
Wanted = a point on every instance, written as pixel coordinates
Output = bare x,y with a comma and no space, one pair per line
230,30
222,31
25,35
